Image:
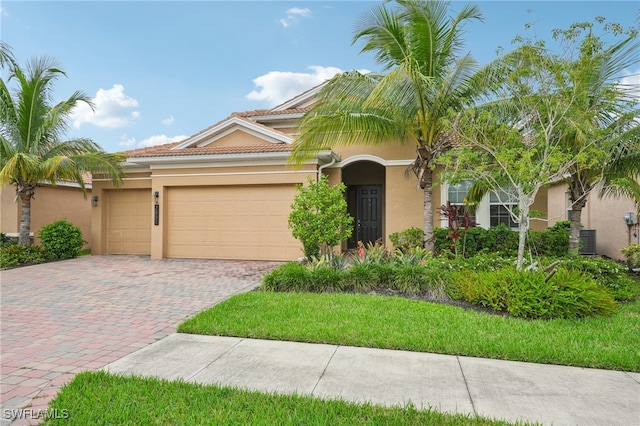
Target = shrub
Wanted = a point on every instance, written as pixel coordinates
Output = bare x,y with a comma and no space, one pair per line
291,276
61,240
19,255
632,255
526,294
319,217
324,278
360,277
607,273
6,241
501,240
408,239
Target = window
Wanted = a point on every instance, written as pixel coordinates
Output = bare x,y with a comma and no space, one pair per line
498,211
456,197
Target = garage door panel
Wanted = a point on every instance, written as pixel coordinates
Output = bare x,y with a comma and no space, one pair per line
129,221
231,222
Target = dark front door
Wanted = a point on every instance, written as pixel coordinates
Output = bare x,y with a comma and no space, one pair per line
368,213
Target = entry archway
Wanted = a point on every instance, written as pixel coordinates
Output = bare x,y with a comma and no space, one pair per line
365,182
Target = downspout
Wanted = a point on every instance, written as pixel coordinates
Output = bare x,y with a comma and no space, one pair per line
334,158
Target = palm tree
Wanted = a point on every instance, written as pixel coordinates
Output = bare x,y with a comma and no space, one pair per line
601,126
31,129
419,45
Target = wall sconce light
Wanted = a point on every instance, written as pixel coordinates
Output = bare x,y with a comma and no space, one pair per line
94,201
156,196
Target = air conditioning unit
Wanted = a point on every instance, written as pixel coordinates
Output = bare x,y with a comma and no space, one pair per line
588,239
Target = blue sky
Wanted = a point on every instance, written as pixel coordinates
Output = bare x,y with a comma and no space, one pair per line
163,70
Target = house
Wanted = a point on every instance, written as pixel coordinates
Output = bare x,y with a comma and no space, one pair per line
226,192
65,200
611,221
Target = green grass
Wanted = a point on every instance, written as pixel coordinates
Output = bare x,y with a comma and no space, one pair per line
99,398
399,323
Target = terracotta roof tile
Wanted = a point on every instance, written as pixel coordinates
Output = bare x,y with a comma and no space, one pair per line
267,112
166,151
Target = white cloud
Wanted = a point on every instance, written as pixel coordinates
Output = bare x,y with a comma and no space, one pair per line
293,16
631,81
276,87
126,141
113,109
168,121
160,140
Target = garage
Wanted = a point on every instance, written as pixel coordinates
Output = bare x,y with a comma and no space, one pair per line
128,221
231,222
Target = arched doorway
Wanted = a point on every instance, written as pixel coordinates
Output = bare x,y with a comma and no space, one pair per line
365,182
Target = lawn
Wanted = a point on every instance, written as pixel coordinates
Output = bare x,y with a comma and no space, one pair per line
99,398
399,323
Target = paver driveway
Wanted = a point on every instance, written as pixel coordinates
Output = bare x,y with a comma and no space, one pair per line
58,319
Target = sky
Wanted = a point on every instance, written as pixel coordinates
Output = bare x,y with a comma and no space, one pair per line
160,71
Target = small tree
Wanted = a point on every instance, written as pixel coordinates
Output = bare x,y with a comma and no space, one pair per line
319,217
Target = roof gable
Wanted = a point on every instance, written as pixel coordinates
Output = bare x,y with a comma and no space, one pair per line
232,124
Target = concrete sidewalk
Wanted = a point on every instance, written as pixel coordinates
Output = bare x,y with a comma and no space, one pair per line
505,390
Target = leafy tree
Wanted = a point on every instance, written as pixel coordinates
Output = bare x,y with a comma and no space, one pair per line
319,217
601,123
514,167
420,47
31,130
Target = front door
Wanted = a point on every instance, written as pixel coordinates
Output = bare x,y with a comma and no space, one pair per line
368,213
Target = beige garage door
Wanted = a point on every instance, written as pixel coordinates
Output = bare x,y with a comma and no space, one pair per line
129,221
231,222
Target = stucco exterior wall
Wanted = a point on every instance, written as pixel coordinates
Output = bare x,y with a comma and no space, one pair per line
605,215
49,204
9,218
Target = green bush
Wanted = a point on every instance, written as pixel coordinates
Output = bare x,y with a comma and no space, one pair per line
607,273
632,255
408,239
61,240
319,217
526,294
324,278
501,240
291,276
6,241
360,277
19,255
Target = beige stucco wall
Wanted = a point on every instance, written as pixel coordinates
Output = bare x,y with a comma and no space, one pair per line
240,138
605,215
49,204
9,217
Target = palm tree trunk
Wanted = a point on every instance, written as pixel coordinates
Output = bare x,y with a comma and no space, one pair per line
427,179
578,192
575,217
24,238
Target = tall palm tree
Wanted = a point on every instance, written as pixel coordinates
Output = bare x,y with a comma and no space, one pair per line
419,45
31,129
601,126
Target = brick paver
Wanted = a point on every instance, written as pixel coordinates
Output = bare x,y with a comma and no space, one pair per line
60,318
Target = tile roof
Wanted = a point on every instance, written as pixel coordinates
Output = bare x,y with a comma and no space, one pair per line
267,112
166,151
